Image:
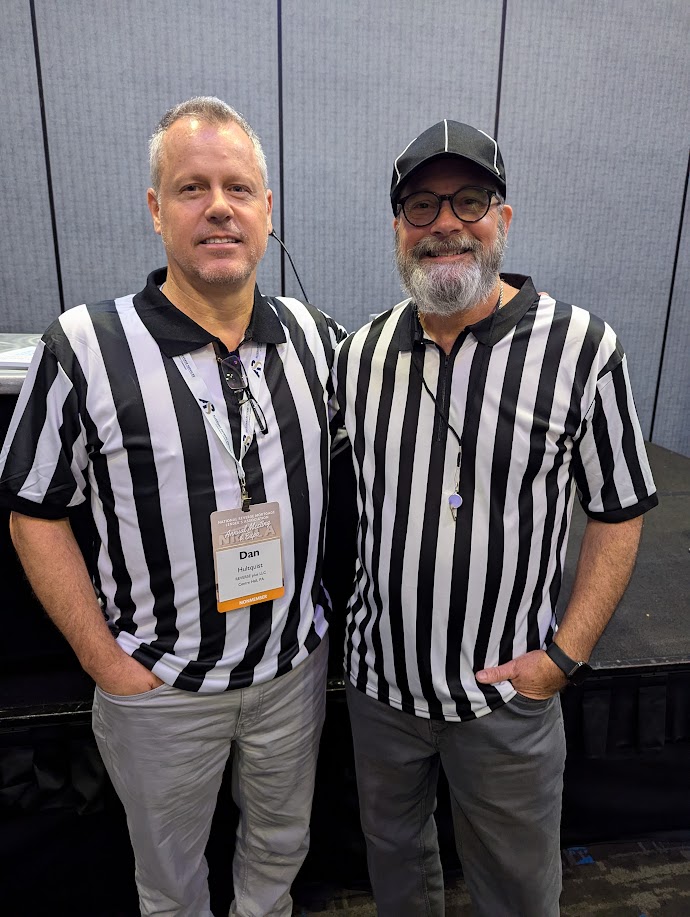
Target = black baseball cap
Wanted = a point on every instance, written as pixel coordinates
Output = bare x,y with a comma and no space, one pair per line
449,138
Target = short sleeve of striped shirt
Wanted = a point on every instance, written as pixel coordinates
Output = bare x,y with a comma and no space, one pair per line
44,456
611,468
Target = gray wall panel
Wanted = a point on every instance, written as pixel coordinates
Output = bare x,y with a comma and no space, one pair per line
28,279
361,80
111,69
672,421
593,127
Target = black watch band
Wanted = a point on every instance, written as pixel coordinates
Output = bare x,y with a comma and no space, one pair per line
575,672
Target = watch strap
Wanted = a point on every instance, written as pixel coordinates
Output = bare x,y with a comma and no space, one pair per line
570,668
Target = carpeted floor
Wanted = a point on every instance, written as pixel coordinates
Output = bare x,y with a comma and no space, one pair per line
644,879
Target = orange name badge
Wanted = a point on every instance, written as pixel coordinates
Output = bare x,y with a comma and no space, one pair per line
247,556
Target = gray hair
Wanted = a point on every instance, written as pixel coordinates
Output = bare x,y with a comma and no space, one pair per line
211,110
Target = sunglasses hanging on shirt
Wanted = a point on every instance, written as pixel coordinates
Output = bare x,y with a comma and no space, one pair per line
235,376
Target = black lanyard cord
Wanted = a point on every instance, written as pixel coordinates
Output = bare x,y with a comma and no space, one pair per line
485,356
455,500
437,407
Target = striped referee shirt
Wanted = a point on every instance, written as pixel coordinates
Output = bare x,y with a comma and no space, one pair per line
539,396
105,415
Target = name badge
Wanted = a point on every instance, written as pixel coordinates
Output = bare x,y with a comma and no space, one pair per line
247,556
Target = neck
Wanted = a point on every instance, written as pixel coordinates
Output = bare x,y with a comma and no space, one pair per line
444,329
225,312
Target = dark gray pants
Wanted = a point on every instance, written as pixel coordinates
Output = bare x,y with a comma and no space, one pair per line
505,772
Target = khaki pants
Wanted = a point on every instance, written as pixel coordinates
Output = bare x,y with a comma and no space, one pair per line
165,752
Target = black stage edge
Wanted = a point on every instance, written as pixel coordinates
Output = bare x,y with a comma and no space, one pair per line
628,727
63,839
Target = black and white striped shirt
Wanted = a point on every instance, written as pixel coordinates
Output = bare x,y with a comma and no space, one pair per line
105,414
549,410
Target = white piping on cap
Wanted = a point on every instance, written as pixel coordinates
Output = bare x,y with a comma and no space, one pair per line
496,169
445,125
395,164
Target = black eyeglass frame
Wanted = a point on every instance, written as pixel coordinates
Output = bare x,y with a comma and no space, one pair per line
449,197
235,376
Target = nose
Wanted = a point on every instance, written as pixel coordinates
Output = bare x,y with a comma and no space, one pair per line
446,222
219,206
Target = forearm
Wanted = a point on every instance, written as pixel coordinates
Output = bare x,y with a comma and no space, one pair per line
606,561
57,573
604,567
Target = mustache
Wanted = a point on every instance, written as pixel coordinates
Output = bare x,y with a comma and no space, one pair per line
452,246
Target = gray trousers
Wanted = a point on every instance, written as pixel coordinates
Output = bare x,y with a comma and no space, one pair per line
165,752
505,772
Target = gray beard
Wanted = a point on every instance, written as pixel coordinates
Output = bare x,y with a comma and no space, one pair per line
449,289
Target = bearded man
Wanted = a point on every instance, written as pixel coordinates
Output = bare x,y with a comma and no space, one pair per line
476,408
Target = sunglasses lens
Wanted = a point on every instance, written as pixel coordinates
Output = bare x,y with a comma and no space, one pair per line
234,373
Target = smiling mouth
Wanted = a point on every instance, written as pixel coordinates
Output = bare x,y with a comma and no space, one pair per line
443,249
226,240
449,254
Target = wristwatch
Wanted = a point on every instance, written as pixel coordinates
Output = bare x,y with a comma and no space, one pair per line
575,672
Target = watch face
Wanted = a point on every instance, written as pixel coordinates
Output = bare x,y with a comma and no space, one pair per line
579,673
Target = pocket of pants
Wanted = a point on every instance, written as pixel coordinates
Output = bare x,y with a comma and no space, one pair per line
131,698
531,704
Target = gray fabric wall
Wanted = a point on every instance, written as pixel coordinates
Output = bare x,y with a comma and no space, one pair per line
28,277
589,102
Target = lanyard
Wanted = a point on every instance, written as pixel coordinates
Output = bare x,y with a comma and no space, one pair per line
455,500
187,367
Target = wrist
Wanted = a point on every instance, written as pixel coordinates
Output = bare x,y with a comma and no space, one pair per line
103,660
574,670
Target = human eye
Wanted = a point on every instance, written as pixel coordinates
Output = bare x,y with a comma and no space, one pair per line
471,200
420,203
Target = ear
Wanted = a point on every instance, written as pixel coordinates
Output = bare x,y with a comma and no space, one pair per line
269,209
154,209
507,213
396,223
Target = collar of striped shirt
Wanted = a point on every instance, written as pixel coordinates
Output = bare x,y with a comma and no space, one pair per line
489,330
176,333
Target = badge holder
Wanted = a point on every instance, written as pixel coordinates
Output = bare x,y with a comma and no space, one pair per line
247,556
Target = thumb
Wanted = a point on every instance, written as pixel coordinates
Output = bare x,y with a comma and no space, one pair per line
497,673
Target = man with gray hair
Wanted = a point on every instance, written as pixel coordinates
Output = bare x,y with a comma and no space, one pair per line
195,417
475,409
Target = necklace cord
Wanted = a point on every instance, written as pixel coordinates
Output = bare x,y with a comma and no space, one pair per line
437,407
486,348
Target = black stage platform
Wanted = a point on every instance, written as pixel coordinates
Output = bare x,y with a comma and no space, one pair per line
651,628
63,839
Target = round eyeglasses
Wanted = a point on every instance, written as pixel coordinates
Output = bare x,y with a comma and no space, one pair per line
468,204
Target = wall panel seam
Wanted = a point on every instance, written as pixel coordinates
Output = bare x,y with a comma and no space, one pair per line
281,169
46,152
499,82
670,300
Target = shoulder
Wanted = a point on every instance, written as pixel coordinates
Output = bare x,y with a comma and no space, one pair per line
310,332
383,327
589,347
579,325
579,317
88,315
306,311
79,331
